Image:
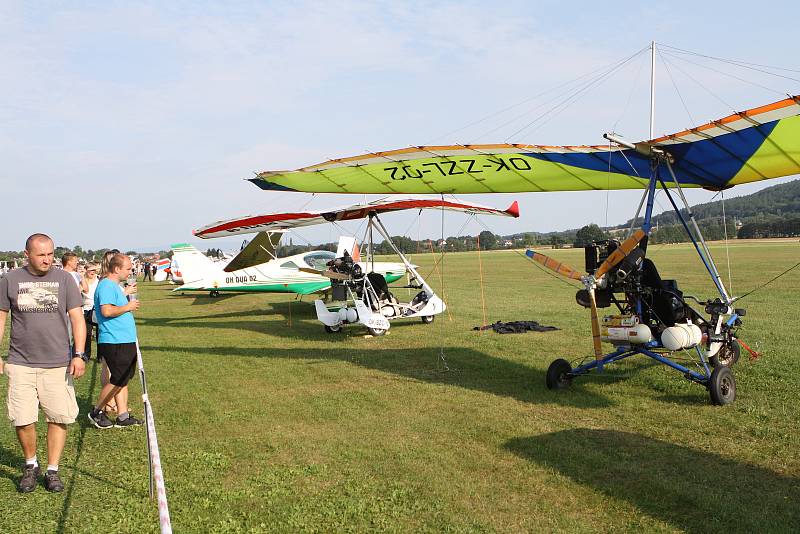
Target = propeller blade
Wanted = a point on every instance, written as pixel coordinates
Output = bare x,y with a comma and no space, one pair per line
598,350
619,254
328,274
561,268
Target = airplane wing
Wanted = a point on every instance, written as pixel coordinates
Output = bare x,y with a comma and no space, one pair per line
282,221
752,145
260,249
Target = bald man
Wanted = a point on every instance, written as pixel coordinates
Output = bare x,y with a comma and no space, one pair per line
41,363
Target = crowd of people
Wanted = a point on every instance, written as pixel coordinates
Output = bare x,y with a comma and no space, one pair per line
55,313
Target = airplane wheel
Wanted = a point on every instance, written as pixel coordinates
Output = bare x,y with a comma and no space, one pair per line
722,386
727,355
333,329
376,331
558,374
214,294
428,319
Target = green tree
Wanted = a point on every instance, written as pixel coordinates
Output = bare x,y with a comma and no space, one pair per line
529,239
587,234
556,241
488,240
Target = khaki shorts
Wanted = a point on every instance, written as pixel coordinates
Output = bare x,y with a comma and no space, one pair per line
29,387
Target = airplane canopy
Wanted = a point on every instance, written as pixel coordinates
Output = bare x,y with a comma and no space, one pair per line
753,145
281,221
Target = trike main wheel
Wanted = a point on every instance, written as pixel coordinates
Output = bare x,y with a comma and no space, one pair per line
722,386
558,374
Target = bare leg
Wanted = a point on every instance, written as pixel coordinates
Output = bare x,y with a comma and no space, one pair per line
122,400
27,438
106,394
105,376
56,438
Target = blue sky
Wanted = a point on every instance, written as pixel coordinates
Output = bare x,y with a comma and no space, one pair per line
130,124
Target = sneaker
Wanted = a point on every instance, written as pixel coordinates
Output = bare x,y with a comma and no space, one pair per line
52,482
129,421
99,419
30,475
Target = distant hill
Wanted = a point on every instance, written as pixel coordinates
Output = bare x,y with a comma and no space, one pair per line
771,212
778,201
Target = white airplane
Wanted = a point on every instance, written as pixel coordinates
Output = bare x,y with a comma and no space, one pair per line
249,272
359,292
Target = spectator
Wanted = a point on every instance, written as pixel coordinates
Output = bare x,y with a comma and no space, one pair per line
69,261
88,286
41,365
104,263
147,272
111,406
116,341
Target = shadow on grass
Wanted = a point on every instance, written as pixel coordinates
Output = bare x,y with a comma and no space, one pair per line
13,459
692,490
85,405
276,318
472,369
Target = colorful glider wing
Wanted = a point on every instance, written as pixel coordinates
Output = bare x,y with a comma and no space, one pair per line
281,221
753,145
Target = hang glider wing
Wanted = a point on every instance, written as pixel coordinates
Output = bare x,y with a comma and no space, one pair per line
282,221
753,145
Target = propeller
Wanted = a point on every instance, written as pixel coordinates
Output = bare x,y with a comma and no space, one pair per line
619,253
561,268
590,280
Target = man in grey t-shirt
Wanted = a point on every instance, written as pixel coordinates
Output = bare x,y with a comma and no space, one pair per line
41,365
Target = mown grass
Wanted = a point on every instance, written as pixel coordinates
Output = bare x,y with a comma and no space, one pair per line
266,423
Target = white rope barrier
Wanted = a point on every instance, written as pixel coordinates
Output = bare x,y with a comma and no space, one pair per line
154,460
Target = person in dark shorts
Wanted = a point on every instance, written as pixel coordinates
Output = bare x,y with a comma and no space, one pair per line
116,341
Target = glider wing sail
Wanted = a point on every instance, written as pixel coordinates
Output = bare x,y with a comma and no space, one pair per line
282,221
752,145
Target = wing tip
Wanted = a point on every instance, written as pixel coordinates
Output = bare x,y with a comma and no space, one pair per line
262,183
513,209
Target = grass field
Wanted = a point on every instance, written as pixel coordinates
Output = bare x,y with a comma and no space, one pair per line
266,423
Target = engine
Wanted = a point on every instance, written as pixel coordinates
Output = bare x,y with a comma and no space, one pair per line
345,265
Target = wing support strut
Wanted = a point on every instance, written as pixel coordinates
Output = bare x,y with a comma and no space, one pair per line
375,221
705,254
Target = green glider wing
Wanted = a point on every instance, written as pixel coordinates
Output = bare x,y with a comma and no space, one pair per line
753,145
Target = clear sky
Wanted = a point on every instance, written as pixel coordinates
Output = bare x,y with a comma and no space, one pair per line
129,124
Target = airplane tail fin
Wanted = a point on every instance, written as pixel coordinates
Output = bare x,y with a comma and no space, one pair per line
195,266
350,245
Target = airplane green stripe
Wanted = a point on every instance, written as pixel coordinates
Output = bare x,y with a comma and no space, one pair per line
303,288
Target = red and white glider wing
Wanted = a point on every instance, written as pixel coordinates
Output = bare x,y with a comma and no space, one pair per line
281,221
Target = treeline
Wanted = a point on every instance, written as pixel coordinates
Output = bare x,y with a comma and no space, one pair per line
777,227
486,240
777,203
85,255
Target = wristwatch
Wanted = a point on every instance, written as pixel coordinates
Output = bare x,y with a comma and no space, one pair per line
81,355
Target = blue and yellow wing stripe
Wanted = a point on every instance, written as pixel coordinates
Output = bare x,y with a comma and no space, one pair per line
753,145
